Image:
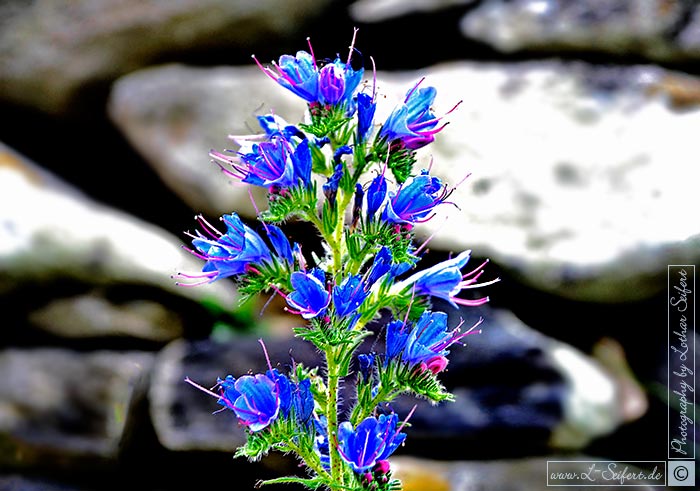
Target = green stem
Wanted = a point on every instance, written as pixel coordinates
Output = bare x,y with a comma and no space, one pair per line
310,459
332,418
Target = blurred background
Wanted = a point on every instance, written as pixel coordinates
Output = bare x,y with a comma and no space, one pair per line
577,128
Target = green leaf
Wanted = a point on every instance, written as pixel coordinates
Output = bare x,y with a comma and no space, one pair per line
295,202
404,378
311,483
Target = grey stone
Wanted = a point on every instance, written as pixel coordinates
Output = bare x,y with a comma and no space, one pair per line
173,115
509,474
52,235
656,30
65,409
50,51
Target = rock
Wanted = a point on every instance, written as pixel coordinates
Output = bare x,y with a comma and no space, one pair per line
510,382
505,475
655,30
570,190
62,409
81,269
182,416
381,10
17,482
173,115
571,187
92,315
51,51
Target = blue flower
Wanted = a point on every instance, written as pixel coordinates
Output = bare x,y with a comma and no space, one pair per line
334,84
445,280
309,297
424,344
254,399
376,195
293,395
373,440
366,363
297,73
366,108
415,199
349,295
380,266
412,124
228,254
275,163
303,401
280,243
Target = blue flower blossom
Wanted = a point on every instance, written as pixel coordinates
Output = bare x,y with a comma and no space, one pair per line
415,200
280,243
299,74
424,344
303,401
366,107
366,365
230,253
376,195
278,162
349,295
445,280
337,82
296,396
373,440
334,84
309,296
254,398
412,123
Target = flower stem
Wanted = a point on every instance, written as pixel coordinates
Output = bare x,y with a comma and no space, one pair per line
332,418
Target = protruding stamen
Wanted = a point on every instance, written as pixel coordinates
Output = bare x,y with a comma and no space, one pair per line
267,358
352,45
203,389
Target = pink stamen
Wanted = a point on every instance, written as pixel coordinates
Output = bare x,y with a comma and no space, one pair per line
470,303
352,45
410,92
267,358
311,52
203,389
413,410
208,227
374,79
425,243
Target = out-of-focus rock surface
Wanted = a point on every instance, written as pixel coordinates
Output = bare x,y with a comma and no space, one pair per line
51,50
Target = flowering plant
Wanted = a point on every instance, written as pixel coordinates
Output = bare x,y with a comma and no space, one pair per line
371,200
